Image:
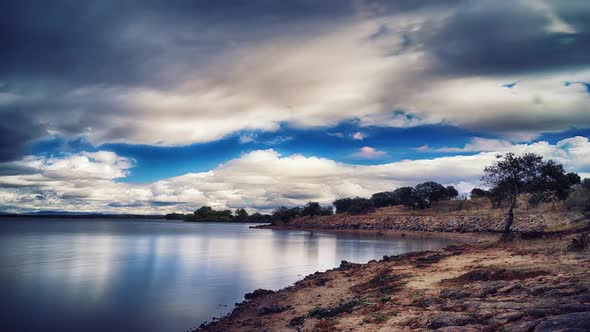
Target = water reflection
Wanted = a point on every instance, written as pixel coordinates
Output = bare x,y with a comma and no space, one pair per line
72,275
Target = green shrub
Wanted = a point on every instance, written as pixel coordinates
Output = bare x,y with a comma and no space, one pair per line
579,199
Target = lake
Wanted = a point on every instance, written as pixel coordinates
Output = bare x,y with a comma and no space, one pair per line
157,275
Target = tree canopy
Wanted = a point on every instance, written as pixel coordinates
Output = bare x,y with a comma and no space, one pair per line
512,175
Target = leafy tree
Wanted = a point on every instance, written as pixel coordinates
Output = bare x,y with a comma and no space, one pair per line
383,199
586,184
355,205
479,193
256,216
241,215
285,214
427,193
311,209
450,192
404,195
203,212
342,205
361,205
513,175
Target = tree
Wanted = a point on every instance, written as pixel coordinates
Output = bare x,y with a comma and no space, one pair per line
386,198
450,192
342,205
361,206
479,193
404,195
355,205
285,214
311,209
427,193
203,212
241,215
513,175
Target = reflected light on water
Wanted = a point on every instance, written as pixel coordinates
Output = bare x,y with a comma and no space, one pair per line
97,275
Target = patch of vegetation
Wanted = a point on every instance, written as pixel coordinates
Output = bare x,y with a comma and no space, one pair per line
362,302
494,274
297,321
380,318
319,312
376,318
325,325
283,214
315,311
206,213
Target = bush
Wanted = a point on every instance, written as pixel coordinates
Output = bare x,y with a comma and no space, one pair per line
385,198
361,206
284,214
479,193
579,199
535,200
355,205
315,209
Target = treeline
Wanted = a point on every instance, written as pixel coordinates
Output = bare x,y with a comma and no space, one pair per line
206,213
285,214
420,197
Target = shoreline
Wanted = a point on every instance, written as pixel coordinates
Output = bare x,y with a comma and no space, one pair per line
454,289
467,237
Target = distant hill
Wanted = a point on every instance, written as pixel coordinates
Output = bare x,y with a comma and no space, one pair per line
69,214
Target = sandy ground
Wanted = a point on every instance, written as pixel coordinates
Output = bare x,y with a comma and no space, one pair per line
522,285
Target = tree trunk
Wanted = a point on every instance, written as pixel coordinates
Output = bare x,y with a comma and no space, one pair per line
510,218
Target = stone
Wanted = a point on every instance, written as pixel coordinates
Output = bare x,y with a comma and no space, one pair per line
257,293
437,321
269,309
579,321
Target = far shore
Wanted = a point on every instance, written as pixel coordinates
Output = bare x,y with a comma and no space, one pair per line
460,237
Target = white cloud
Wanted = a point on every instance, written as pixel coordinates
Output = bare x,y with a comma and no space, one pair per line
247,138
358,136
369,153
261,180
477,144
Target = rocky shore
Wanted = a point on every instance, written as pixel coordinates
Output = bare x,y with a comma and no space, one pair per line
524,285
464,222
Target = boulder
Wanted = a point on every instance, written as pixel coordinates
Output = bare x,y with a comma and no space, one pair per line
579,321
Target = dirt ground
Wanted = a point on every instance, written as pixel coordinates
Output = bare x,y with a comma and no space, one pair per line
521,285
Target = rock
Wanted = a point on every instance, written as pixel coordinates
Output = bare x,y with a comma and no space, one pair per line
297,321
579,321
257,293
455,294
345,265
437,321
270,309
458,329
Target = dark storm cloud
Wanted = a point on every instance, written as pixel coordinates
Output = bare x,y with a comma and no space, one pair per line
134,41
7,169
17,129
53,52
500,37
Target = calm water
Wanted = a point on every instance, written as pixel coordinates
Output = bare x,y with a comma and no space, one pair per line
115,275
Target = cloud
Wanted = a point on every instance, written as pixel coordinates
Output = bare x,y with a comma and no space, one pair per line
477,144
260,180
358,136
176,74
336,134
247,138
369,153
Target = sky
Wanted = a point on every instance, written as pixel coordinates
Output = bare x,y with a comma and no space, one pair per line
164,106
